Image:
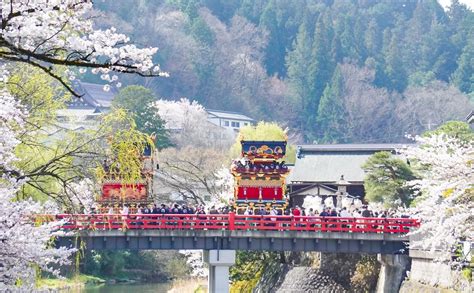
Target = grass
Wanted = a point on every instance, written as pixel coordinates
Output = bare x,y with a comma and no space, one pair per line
189,285
74,282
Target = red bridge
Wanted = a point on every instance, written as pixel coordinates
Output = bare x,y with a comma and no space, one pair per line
238,232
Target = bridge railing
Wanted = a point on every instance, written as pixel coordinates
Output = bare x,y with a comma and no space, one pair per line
232,222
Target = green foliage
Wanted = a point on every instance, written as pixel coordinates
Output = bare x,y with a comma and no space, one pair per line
331,110
137,100
248,269
366,275
421,78
467,274
385,180
125,144
299,70
463,77
147,265
75,282
263,131
457,129
201,31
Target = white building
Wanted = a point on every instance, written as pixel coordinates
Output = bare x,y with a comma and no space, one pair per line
229,120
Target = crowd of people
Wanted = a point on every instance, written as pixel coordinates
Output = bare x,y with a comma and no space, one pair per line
163,209
187,209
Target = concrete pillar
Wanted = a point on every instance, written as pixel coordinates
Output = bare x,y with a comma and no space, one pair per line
392,272
219,262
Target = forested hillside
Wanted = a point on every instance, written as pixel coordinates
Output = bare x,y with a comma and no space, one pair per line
332,70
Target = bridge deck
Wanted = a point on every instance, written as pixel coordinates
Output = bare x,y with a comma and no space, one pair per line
237,232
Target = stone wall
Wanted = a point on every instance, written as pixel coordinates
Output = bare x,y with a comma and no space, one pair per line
309,272
430,275
340,266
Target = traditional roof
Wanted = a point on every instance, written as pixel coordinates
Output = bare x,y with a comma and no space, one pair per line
228,115
326,163
92,96
350,147
470,118
314,189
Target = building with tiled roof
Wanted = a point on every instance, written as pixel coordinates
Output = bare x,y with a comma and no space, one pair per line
470,118
318,168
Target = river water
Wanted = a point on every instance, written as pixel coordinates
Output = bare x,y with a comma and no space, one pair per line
128,288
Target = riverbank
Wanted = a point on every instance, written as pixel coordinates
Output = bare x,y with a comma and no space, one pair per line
71,284
189,285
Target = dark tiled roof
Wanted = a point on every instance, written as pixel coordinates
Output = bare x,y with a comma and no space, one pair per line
351,147
93,95
470,117
326,163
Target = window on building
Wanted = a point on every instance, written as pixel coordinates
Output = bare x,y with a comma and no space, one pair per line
226,123
235,124
246,124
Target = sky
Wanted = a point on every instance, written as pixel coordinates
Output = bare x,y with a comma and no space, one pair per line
469,3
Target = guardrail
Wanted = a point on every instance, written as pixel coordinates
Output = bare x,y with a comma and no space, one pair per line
231,222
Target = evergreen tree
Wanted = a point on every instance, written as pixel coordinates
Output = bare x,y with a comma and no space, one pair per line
136,100
320,69
330,120
395,76
463,77
386,178
275,50
299,78
202,32
373,38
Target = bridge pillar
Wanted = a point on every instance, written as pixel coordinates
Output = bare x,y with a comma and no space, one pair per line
219,262
392,272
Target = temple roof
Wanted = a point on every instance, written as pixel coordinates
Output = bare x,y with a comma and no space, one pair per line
93,96
326,163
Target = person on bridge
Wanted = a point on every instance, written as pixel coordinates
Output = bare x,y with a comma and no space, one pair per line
296,211
125,212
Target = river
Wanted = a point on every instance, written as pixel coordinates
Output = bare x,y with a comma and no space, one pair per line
127,288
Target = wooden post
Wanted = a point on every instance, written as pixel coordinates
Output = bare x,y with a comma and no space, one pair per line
231,221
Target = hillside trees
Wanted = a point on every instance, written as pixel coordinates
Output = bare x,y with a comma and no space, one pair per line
425,107
295,50
299,77
352,109
331,110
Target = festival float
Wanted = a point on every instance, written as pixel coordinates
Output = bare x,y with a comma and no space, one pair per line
260,176
116,192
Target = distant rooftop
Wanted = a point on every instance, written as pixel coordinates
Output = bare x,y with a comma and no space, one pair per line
351,147
470,117
229,115
93,96
326,163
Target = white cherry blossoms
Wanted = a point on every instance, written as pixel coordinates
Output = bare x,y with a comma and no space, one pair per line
24,245
45,33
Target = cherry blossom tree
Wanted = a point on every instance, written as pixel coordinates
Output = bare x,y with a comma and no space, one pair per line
51,33
58,37
446,198
23,245
188,125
